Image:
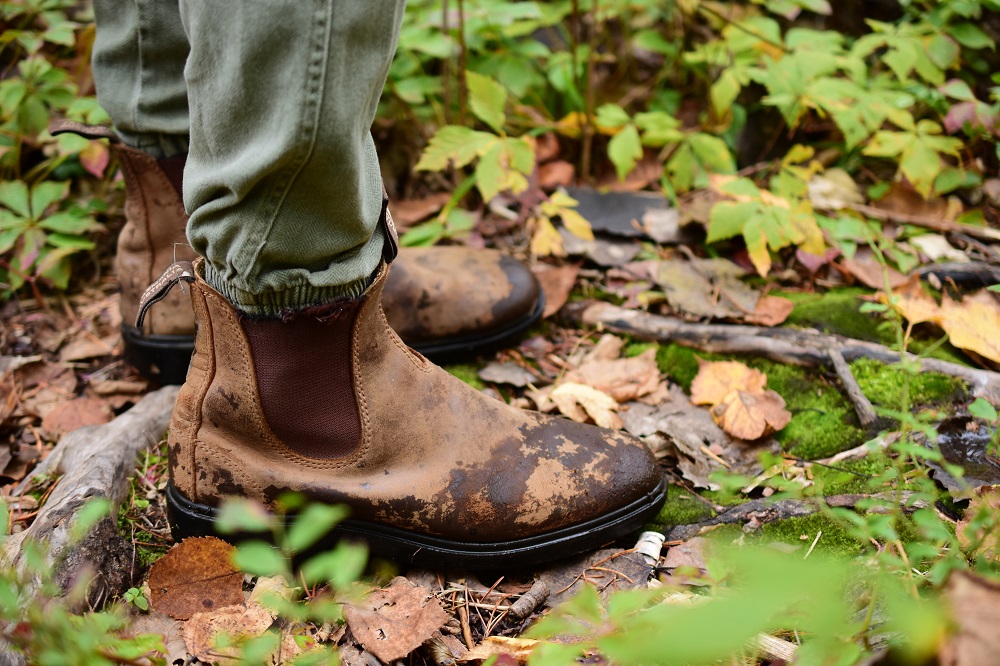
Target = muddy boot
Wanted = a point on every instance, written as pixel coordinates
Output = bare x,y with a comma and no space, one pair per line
330,403
153,238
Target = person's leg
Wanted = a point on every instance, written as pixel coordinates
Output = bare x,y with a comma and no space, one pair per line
297,382
282,180
139,53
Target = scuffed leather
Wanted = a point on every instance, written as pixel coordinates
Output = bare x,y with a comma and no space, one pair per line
450,292
152,239
435,456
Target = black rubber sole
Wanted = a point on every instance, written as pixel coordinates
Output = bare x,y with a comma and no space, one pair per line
165,358
161,358
188,519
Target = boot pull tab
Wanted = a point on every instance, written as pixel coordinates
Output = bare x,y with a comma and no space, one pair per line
156,292
390,248
63,126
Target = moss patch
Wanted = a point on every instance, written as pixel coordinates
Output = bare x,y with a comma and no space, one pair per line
823,421
468,374
837,312
680,363
681,508
802,531
852,476
883,385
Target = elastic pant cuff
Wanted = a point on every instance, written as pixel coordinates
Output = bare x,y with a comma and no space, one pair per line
276,303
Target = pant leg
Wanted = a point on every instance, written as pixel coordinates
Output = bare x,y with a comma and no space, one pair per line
139,54
282,180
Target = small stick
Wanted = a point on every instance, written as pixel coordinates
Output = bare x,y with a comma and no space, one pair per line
774,649
815,541
463,617
862,405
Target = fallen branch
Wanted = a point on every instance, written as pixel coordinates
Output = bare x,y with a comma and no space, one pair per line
786,345
937,224
95,462
862,405
762,511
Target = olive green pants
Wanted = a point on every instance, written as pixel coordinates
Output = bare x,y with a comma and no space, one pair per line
273,100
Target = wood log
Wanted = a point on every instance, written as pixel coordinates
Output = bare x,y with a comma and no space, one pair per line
95,462
786,345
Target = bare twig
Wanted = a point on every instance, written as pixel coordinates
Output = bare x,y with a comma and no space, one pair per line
530,600
937,224
862,405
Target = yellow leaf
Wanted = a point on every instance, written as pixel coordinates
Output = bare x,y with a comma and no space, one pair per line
717,380
576,224
571,124
973,324
546,240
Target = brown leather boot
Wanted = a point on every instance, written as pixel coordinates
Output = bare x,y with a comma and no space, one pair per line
329,402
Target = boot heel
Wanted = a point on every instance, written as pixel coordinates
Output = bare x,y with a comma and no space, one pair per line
162,358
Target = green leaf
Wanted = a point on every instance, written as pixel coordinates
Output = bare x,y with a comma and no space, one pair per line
487,99
612,116
338,567
14,195
423,235
982,409
7,239
260,559
727,219
658,128
67,222
624,150
241,515
713,153
943,51
958,89
681,167
92,512
457,145
313,524
970,36
490,176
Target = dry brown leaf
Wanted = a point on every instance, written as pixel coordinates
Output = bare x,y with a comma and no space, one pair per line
201,632
751,416
771,311
196,575
608,348
507,372
691,553
408,212
557,283
975,606
170,629
984,497
716,380
394,621
44,387
76,413
866,269
622,378
913,303
86,345
556,174
519,648
581,402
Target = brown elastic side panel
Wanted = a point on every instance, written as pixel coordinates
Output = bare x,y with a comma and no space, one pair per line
303,366
173,169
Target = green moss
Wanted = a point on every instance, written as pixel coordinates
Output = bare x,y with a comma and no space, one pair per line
681,508
679,363
852,476
636,348
837,312
823,421
801,532
467,372
883,385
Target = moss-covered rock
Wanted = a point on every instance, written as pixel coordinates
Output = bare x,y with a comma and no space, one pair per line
885,385
837,312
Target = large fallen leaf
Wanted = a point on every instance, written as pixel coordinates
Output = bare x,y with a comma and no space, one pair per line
407,212
507,373
834,189
975,606
971,324
716,380
750,416
557,283
867,270
518,648
76,413
623,378
394,621
971,531
702,288
203,631
170,629
195,576
581,402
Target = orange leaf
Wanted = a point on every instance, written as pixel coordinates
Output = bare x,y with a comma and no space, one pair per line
715,381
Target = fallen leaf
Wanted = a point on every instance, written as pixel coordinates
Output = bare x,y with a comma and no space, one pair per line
408,212
971,323
119,387
975,609
602,251
691,553
582,403
716,380
86,345
45,386
202,631
507,373
834,189
394,621
9,364
751,416
76,413
866,269
706,288
985,499
556,174
163,625
518,648
621,378
771,311
608,570
195,576
936,247
903,198
557,283
915,304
